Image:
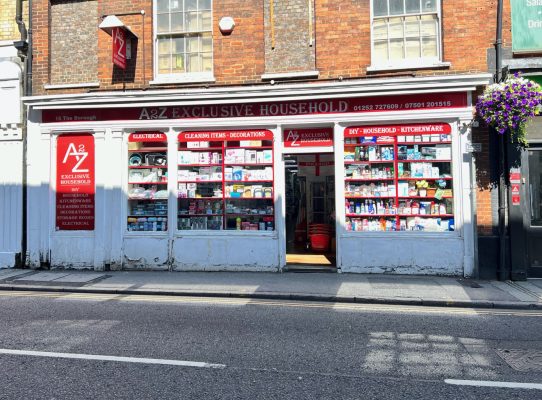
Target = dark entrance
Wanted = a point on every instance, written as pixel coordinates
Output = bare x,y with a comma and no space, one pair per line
533,218
310,210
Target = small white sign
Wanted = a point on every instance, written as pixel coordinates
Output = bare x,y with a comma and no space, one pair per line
474,148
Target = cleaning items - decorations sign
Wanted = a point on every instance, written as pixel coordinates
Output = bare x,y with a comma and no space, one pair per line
75,183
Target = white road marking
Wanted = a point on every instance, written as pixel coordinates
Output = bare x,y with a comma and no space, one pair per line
194,364
510,385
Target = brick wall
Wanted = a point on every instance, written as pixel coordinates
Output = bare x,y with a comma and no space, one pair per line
289,36
341,48
8,26
74,41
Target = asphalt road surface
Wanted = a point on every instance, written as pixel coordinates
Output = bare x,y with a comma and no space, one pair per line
76,346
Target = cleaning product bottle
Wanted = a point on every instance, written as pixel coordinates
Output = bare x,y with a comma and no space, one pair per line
238,223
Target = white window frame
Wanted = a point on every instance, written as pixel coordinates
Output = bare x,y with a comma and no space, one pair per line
186,77
418,63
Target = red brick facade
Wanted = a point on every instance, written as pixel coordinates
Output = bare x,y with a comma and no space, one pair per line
342,31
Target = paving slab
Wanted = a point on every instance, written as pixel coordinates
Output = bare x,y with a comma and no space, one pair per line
79,278
10,273
42,277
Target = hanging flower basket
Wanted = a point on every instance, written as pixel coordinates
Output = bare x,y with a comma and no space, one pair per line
509,105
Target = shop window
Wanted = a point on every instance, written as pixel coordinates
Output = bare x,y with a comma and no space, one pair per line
405,33
183,40
147,182
399,178
226,181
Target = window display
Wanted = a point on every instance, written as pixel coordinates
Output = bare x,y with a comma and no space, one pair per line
147,182
225,181
399,178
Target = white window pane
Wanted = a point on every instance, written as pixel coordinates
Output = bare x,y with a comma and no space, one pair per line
176,5
206,43
207,61
164,64
206,21
177,22
192,22
395,28
429,47
162,5
162,24
429,5
178,45
178,63
192,44
413,48
396,49
194,62
412,6
191,5
380,7
412,27
164,46
380,29
396,7
204,4
380,50
429,25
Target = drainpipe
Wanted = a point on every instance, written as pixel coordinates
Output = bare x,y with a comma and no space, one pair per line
503,206
25,50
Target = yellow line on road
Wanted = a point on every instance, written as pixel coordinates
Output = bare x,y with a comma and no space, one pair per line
271,303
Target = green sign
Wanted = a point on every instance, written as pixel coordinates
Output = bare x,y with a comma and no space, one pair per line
526,26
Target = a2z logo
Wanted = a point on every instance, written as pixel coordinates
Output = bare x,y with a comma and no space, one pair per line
80,155
292,136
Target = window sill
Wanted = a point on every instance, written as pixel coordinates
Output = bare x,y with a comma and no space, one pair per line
425,65
291,75
72,85
181,80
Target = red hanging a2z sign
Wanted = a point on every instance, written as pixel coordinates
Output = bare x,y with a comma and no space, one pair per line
313,137
75,183
119,47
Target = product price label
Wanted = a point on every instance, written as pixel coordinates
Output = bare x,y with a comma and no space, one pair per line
75,182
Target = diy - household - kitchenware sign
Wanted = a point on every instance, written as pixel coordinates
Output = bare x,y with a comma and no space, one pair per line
75,183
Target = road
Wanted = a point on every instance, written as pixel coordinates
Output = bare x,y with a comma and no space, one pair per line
59,346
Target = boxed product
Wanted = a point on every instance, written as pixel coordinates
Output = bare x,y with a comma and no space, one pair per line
237,173
228,173
250,156
185,157
244,143
443,152
349,155
267,156
193,145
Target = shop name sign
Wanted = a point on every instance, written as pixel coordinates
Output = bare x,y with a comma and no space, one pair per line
226,135
75,183
308,137
406,129
268,109
526,26
119,47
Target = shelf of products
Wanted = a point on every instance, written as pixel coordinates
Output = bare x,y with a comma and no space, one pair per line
399,182
147,182
226,182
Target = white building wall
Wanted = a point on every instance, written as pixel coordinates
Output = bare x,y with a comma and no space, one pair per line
11,157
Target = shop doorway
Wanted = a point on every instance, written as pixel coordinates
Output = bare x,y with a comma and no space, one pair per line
310,211
533,222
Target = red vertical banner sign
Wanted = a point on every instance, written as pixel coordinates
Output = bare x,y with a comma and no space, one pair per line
119,47
75,182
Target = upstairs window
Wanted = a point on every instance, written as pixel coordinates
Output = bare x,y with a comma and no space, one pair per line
405,33
183,40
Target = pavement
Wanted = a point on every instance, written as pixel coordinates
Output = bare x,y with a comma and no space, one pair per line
328,287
